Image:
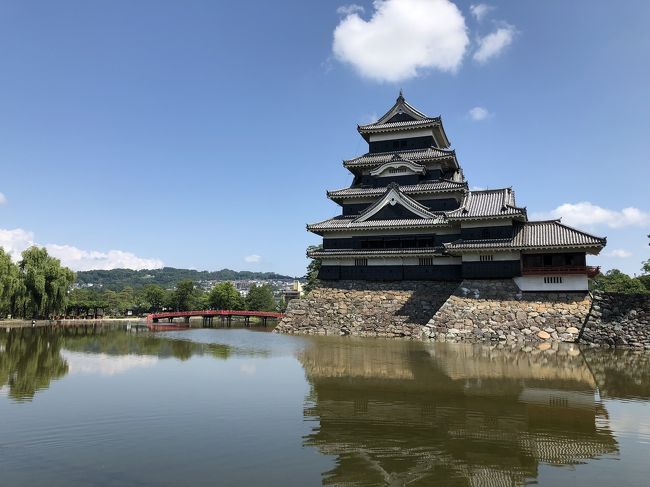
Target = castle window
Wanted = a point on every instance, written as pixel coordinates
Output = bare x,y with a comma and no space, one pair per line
360,262
487,258
552,279
426,260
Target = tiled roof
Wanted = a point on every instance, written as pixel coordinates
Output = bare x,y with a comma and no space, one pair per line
441,185
342,224
377,252
534,235
416,155
380,127
491,203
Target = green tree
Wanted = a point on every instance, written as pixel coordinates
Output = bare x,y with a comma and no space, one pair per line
260,298
312,269
152,297
183,296
225,296
282,305
615,281
46,283
9,283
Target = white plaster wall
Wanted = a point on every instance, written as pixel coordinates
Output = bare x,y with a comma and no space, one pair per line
572,282
497,256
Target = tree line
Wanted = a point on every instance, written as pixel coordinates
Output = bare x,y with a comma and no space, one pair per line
185,296
39,287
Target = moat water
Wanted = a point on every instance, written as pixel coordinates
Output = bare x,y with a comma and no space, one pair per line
233,407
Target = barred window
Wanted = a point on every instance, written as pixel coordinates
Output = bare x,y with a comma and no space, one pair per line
552,279
426,260
487,258
360,262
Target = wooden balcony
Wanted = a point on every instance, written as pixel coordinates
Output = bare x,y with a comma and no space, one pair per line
591,271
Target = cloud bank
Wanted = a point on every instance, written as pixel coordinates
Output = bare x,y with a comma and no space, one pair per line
253,259
479,113
494,43
402,39
16,240
480,10
586,213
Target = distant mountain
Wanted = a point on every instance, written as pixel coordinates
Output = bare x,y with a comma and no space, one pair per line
167,277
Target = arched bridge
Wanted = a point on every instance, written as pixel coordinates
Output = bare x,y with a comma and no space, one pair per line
209,315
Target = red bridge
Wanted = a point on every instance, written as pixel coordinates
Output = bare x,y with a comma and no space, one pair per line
208,317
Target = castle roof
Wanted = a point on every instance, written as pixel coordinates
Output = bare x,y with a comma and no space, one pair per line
492,203
403,116
416,155
533,235
437,186
349,224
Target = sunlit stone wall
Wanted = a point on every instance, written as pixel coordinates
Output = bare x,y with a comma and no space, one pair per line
496,310
619,320
470,311
364,308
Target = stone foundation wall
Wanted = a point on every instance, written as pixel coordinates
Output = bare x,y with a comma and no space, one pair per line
471,311
386,309
619,320
496,310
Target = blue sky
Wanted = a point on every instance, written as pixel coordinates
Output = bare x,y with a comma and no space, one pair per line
204,134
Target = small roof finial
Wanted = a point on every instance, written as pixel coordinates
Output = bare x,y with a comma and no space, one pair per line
401,95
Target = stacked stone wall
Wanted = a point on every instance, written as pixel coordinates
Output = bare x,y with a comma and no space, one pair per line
391,309
618,320
493,310
471,311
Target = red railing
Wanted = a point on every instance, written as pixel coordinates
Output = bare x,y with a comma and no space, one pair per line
591,271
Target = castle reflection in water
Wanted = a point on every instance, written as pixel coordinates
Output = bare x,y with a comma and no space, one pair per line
399,413
395,412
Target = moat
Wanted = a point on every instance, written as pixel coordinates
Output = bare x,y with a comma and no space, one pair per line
109,406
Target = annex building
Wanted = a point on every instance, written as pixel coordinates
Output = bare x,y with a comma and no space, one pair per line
409,215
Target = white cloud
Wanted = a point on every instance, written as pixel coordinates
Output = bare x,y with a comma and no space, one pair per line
480,10
402,39
492,44
350,9
479,113
3,199
586,213
84,260
253,259
476,188
619,253
16,240
103,364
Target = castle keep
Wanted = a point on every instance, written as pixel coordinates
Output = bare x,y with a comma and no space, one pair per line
409,215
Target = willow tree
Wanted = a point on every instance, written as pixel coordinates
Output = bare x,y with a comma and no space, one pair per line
9,284
46,283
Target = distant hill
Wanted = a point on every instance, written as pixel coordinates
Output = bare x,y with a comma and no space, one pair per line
167,277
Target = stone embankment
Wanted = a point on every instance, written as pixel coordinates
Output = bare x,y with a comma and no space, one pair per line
470,311
618,320
497,310
395,309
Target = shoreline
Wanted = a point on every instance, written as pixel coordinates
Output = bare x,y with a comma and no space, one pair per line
41,323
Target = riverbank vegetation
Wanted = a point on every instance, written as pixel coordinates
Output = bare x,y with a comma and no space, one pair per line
37,286
153,298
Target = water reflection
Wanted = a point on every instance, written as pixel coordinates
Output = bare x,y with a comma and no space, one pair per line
30,358
400,413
